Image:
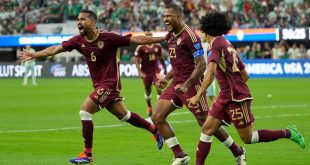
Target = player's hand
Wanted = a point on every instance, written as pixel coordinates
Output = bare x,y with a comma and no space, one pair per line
181,88
161,83
26,56
142,75
193,101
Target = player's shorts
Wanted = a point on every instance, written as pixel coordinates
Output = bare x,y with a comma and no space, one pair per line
104,98
211,91
179,99
149,80
238,113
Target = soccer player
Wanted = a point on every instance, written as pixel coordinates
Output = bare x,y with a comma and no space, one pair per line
29,68
101,51
147,57
188,65
234,101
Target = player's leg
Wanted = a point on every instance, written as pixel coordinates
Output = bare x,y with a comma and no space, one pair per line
26,73
209,128
148,90
88,108
119,110
33,76
166,104
200,112
249,136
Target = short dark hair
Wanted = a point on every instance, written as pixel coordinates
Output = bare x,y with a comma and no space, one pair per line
91,14
216,23
175,8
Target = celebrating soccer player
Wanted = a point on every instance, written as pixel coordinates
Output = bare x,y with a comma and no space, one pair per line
101,50
148,56
188,65
234,101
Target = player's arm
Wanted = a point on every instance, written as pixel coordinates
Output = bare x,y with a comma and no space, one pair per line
208,79
197,73
50,51
143,40
244,75
162,83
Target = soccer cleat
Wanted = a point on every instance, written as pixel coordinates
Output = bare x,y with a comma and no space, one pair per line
82,159
181,161
160,140
149,111
241,159
296,136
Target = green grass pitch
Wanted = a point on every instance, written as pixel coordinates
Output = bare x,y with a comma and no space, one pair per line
40,125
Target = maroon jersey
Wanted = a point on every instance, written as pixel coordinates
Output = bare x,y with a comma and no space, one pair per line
102,56
183,49
149,55
233,88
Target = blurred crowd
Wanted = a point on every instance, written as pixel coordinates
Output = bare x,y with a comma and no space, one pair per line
22,17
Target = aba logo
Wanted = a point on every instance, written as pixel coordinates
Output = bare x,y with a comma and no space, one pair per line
209,53
197,45
57,70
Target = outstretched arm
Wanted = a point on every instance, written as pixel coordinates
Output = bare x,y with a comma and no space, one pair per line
244,75
50,51
209,77
143,40
162,61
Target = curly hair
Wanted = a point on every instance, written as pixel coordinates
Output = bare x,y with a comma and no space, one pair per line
216,23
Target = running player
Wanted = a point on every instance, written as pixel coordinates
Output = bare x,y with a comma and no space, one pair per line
147,57
234,101
101,51
188,65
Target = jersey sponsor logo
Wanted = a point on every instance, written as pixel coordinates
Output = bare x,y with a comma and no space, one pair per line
100,44
179,41
209,53
197,45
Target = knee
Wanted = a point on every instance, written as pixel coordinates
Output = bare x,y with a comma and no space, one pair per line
246,139
250,138
207,129
85,115
157,118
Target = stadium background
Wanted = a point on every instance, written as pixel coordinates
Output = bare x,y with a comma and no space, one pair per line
40,124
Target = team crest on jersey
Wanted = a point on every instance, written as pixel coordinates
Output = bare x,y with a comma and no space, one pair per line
100,44
197,45
179,41
209,53
156,50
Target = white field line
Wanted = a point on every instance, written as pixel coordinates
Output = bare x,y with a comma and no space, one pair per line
176,122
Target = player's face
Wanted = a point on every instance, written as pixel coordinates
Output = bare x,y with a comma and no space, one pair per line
171,19
84,23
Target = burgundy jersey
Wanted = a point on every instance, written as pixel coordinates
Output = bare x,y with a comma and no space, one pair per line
102,56
183,49
228,75
149,55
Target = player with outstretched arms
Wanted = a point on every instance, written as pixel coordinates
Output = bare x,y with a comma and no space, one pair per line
101,51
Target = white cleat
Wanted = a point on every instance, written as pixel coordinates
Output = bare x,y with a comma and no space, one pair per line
181,161
241,160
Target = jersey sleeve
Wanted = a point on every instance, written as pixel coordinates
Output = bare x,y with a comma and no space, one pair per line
70,44
118,40
195,46
213,55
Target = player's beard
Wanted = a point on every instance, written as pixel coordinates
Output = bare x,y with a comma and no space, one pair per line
83,32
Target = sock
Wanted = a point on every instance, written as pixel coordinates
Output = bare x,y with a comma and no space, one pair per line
87,130
234,148
137,121
203,148
269,135
174,145
148,100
